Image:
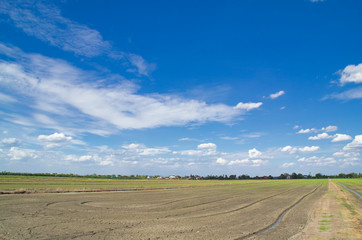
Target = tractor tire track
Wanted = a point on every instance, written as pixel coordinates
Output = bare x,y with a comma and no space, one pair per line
279,218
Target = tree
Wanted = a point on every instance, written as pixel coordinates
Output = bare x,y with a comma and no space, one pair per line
282,176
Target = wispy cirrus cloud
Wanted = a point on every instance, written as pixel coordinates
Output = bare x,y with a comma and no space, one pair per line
57,90
44,21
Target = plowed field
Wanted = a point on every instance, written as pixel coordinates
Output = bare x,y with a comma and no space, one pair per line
234,211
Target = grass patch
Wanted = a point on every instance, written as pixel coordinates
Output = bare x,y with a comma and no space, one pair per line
35,183
324,228
351,208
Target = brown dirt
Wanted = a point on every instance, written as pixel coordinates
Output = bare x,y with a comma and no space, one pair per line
210,212
337,215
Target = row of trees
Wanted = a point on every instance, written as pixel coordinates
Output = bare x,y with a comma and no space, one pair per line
191,177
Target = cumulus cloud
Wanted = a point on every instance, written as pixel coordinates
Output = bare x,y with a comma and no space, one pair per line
10,142
248,106
348,158
17,154
253,153
249,162
285,165
318,161
74,158
341,137
351,74
221,161
277,94
255,159
335,138
204,149
308,130
330,128
305,149
80,97
321,136
141,149
346,154
314,130
356,144
211,146
55,137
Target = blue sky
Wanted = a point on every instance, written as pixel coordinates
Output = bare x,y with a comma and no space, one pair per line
181,87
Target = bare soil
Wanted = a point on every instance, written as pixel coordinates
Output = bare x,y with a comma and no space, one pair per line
208,212
337,215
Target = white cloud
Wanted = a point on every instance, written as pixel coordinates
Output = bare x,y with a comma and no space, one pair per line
293,150
341,137
44,21
253,153
10,142
330,129
311,130
142,66
314,130
321,136
204,149
142,150
308,149
79,97
74,158
229,138
346,154
106,163
221,161
356,144
6,98
248,106
17,154
336,138
277,94
55,137
355,93
249,162
351,73
314,1
318,161
285,165
208,146
53,145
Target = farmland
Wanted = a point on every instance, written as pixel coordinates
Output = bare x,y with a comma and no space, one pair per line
168,209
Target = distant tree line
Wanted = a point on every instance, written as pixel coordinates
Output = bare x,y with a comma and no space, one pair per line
191,177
